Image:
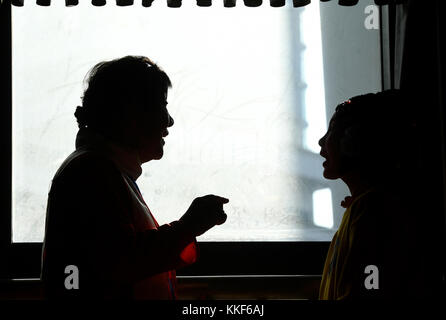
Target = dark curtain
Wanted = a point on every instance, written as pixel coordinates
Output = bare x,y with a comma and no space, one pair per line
419,69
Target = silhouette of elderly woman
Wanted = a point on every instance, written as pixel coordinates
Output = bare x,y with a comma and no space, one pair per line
101,240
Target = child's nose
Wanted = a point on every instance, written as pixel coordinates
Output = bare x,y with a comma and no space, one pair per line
321,141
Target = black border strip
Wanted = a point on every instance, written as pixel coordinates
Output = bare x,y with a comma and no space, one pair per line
6,126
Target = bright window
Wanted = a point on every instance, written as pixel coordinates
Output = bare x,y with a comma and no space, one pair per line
253,89
322,208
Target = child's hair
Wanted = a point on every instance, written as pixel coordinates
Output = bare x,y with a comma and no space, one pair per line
118,84
375,133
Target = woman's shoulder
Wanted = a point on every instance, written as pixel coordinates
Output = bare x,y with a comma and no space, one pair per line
86,162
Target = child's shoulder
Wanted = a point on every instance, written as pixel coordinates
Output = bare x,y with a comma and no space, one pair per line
377,197
378,206
368,198
372,204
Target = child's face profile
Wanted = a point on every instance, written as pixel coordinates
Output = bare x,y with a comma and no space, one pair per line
331,152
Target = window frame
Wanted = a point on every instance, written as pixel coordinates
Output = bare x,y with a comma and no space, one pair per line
23,260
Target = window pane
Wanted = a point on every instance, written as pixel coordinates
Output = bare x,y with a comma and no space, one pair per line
253,89
322,208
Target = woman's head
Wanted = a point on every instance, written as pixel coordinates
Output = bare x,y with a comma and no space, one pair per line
367,135
125,100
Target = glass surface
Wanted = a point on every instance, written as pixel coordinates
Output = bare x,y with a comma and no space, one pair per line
253,89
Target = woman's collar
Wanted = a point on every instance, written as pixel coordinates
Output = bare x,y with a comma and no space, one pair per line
126,159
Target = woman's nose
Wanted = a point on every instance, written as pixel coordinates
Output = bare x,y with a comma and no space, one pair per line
321,141
171,122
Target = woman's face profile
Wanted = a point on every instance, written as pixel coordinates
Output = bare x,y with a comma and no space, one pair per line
148,129
331,152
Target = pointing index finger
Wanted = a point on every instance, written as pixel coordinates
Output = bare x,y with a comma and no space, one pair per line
220,199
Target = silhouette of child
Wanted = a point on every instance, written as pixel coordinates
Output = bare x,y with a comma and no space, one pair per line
97,219
367,146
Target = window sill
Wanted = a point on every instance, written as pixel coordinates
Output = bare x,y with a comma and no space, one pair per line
294,287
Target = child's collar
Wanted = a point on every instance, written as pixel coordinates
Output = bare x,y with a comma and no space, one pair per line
348,200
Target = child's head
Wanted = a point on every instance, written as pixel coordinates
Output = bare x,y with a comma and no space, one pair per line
367,136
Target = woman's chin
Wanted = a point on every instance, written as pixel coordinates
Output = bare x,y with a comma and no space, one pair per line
158,154
149,155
